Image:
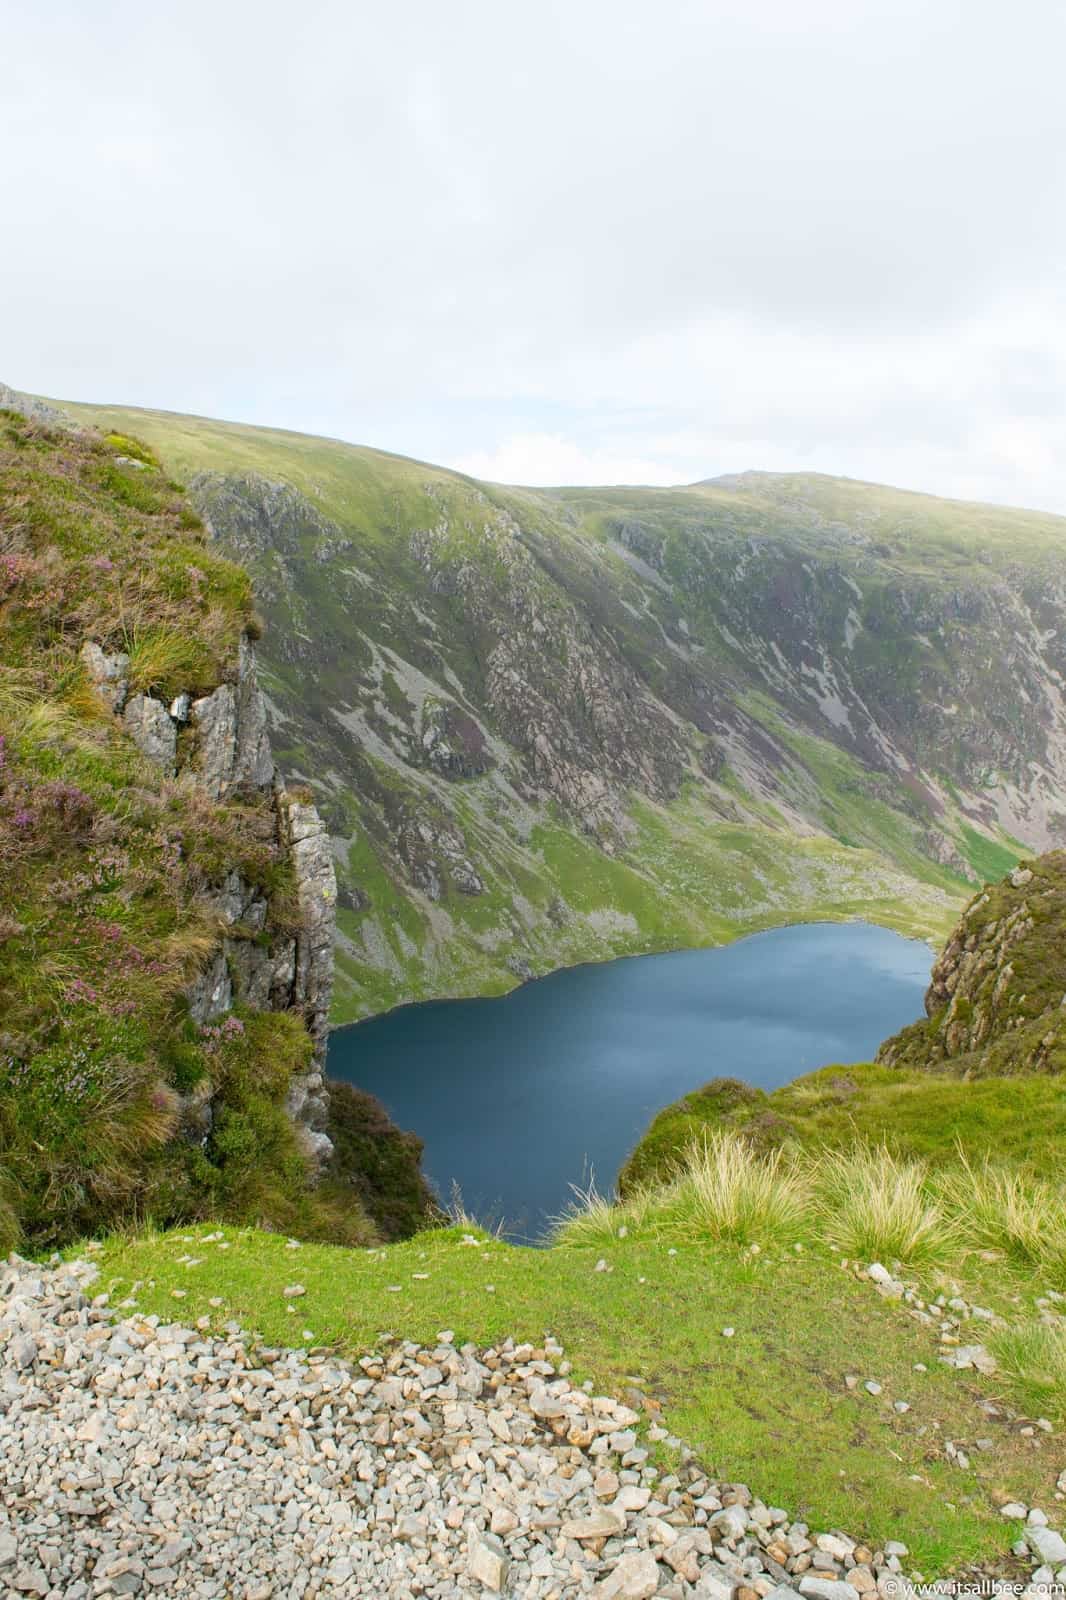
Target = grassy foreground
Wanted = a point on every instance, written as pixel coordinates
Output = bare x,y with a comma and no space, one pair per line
770,1404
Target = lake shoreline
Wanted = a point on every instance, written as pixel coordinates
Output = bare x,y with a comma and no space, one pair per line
337,1028
518,1105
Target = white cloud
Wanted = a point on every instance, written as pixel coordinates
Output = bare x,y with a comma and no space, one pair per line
545,459
639,243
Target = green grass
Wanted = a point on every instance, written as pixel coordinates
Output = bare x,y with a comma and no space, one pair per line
769,1406
915,1113
991,861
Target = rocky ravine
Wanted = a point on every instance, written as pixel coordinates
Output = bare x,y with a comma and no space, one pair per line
138,1457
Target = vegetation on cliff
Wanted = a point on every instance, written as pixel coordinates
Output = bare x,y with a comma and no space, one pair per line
110,867
996,1004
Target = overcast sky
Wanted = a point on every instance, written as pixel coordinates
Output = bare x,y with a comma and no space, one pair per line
589,241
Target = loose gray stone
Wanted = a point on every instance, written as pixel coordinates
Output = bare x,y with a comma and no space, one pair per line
636,1577
488,1561
1047,1544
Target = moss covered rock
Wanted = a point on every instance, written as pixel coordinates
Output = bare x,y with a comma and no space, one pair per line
995,1003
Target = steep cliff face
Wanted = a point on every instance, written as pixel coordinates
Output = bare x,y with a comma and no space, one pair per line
167,902
547,726
256,962
996,1003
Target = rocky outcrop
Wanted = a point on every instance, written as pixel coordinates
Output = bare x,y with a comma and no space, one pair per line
996,1001
253,963
153,730
108,673
305,836
27,406
234,747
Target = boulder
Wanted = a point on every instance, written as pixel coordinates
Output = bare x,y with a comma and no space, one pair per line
152,729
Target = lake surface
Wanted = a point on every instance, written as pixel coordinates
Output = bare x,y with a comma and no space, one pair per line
520,1097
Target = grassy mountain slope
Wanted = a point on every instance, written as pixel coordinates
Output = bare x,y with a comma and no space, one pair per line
547,726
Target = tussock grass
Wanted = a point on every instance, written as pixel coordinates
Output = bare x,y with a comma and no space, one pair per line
164,660
876,1206
1034,1355
998,1209
721,1191
725,1192
593,1221
868,1202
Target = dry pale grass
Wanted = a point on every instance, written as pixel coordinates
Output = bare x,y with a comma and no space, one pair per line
875,1206
997,1209
721,1190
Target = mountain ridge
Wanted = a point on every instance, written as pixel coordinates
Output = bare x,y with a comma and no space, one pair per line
557,725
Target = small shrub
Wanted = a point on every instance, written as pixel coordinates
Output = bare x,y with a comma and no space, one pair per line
133,488
126,446
379,1162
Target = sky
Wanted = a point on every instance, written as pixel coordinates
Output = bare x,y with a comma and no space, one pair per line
582,242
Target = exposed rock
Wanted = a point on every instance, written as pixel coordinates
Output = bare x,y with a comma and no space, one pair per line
452,741
210,995
636,1577
304,832
150,726
994,1002
234,747
488,1561
108,673
36,410
1047,1544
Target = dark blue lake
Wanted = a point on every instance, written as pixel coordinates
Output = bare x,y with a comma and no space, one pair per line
520,1097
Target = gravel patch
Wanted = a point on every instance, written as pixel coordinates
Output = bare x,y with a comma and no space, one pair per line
139,1457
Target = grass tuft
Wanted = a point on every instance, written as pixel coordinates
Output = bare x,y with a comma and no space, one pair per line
876,1206
725,1191
999,1209
1034,1356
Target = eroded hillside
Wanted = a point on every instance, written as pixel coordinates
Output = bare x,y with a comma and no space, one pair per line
546,726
